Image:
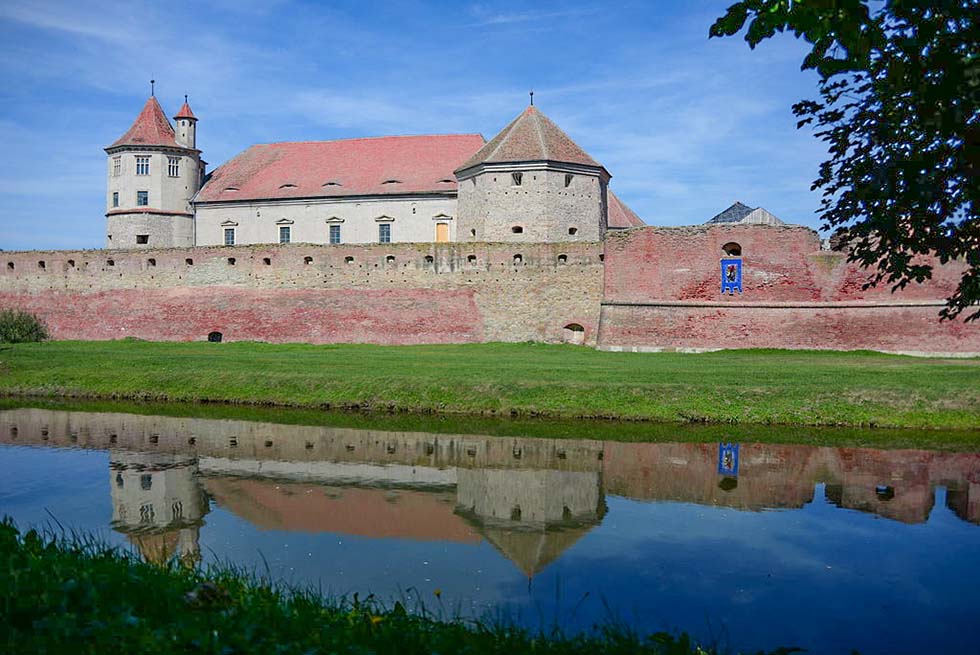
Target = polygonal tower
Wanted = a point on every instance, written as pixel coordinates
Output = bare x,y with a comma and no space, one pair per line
530,183
152,176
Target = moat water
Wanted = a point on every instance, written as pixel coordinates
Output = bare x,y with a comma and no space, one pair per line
746,544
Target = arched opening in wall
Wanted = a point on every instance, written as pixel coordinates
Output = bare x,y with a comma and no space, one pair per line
573,230
473,232
429,259
732,249
71,263
518,260
573,333
110,262
151,262
307,260
562,259
515,513
517,229
215,337
231,261
189,261
390,259
728,483
41,264
267,261
10,266
471,260
348,260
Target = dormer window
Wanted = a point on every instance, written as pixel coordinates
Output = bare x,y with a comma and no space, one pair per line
516,178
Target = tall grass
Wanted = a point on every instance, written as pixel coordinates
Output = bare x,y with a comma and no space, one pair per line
73,594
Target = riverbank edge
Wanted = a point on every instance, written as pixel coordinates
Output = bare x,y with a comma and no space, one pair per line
78,380
73,593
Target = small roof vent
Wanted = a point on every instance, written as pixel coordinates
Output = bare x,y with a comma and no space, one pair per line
332,183
392,182
287,185
231,188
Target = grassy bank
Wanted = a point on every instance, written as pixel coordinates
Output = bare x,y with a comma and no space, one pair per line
60,595
746,387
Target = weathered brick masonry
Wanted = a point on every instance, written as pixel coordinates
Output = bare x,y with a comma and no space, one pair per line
390,294
658,289
662,291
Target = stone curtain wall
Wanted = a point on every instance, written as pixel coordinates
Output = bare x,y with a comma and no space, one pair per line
663,292
389,294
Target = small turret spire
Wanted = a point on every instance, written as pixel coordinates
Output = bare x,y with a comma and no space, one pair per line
532,98
152,90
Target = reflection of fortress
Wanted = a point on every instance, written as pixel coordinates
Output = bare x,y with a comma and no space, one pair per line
530,498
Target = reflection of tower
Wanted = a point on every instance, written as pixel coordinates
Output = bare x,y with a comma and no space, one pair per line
158,503
531,516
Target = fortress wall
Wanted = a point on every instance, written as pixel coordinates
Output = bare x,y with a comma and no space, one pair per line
390,294
663,291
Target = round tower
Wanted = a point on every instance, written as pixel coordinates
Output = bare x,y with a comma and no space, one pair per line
153,174
532,183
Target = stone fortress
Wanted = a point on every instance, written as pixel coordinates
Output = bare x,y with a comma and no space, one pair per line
447,239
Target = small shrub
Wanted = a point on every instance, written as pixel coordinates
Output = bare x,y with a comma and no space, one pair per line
20,327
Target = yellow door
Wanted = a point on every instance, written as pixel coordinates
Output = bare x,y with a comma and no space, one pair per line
442,232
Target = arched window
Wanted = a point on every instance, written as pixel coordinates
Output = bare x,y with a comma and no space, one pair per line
732,249
518,260
214,337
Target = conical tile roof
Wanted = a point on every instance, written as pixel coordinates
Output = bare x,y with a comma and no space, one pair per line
151,128
532,136
185,112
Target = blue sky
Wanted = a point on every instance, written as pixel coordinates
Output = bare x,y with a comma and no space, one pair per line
685,125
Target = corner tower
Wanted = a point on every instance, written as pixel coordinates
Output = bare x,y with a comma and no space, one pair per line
531,182
153,173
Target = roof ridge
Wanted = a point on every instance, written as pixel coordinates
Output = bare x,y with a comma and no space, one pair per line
366,138
537,128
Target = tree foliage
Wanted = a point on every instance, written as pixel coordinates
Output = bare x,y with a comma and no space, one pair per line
21,327
899,109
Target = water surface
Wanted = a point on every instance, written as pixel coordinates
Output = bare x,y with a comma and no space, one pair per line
754,544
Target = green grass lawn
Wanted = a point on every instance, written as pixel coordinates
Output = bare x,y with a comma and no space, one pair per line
746,386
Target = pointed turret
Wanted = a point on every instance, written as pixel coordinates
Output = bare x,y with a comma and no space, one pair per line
153,173
531,183
186,123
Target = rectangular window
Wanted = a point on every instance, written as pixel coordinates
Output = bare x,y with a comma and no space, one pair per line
173,166
142,238
142,165
334,234
384,233
283,234
115,198
229,236
517,178
142,198
116,166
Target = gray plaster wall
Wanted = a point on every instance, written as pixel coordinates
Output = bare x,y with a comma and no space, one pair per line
491,205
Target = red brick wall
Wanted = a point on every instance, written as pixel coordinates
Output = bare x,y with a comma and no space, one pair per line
429,293
663,291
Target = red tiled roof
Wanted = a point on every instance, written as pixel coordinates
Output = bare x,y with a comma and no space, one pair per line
532,136
621,216
151,128
351,167
185,112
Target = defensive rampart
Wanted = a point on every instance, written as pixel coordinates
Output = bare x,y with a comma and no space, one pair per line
663,292
389,294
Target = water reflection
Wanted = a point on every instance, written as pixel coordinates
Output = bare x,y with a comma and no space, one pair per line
530,498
